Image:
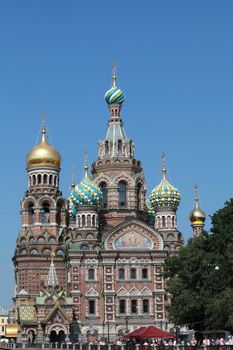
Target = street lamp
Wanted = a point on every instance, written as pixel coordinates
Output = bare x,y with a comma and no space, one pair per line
126,323
108,330
103,329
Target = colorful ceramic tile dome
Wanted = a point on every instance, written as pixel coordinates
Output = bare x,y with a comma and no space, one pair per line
165,195
114,95
85,193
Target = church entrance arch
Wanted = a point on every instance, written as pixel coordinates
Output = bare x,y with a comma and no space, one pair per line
57,333
57,337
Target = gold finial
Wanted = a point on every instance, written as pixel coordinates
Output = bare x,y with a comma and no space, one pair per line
85,162
163,157
196,188
114,74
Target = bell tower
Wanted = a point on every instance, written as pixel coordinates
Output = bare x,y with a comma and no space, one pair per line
43,218
116,172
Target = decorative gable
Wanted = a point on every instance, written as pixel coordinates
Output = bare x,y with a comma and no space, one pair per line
146,292
133,235
91,293
122,292
134,292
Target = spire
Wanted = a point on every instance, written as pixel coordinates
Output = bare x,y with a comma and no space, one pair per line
73,177
52,280
43,130
196,189
114,74
85,162
164,170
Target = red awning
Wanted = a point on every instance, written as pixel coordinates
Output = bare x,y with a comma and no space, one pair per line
153,332
134,333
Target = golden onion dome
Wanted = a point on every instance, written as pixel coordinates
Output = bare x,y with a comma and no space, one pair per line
197,216
43,154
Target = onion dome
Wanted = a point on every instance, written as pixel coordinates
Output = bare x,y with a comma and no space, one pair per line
197,216
165,195
114,95
85,193
43,154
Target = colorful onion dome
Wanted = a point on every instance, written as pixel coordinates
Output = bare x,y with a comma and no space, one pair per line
197,216
165,195
114,95
43,154
86,193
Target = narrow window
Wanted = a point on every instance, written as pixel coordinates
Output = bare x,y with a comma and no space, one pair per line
138,196
83,220
122,307
173,222
31,215
44,213
133,306
107,147
91,307
121,274
119,144
145,274
45,179
93,221
145,306
104,190
39,179
163,222
91,274
88,220
133,274
122,194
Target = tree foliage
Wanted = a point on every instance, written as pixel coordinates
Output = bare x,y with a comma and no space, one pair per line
200,277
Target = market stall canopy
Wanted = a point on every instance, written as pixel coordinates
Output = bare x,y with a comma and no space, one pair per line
134,333
153,332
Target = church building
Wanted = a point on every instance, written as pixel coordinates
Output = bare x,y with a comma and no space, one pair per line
91,266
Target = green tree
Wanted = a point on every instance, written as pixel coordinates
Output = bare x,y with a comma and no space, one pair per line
200,277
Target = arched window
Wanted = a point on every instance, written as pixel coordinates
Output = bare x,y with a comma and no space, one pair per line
88,220
173,222
34,179
122,194
50,179
44,213
104,190
39,179
93,221
45,179
121,274
107,147
31,214
55,180
138,194
119,146
163,222
59,212
91,274
83,220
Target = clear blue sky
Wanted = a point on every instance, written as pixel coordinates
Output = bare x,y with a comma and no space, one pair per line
175,66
